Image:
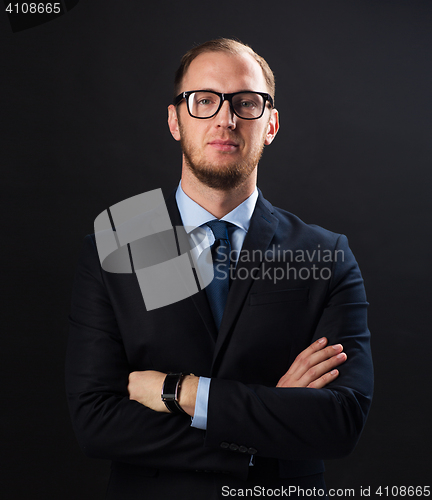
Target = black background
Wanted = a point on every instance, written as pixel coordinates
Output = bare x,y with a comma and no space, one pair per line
83,126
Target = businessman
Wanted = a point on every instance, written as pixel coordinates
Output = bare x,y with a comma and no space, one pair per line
247,386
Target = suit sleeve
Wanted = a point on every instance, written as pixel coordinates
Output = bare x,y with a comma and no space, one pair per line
302,423
107,424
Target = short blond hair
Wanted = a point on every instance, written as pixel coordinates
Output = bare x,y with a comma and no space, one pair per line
229,46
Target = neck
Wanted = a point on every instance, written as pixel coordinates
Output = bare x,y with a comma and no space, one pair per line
216,201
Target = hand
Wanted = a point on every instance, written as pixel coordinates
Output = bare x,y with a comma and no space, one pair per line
315,366
146,387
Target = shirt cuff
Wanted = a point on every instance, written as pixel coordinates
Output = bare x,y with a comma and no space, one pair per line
199,419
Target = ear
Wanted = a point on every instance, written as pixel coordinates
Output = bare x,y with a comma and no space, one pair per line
272,127
173,122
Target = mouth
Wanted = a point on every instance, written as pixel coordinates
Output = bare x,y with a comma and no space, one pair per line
224,145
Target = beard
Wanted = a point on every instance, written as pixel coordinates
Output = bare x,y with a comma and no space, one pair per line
222,177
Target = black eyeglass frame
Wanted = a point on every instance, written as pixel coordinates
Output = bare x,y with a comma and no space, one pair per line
223,97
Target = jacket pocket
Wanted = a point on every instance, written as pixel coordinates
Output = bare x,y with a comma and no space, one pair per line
257,299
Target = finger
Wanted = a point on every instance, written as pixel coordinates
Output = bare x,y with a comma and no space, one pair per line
313,348
322,368
324,380
301,362
304,363
324,354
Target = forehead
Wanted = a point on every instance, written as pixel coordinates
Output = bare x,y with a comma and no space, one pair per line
224,72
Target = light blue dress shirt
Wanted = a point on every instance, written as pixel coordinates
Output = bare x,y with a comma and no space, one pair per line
194,216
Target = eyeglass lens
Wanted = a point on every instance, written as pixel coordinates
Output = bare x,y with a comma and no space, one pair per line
205,104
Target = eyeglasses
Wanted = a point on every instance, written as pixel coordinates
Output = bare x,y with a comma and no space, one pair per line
203,104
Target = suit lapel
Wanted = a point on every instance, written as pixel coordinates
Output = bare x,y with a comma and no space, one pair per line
199,299
261,231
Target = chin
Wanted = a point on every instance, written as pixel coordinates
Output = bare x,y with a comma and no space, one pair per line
223,171
222,177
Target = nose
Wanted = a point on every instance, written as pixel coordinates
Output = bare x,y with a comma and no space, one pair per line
225,117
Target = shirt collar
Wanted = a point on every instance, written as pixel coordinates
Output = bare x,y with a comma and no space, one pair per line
194,215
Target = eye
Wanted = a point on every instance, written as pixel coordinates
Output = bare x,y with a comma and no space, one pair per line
205,99
248,104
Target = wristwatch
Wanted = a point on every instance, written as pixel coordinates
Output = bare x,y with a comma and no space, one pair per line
171,392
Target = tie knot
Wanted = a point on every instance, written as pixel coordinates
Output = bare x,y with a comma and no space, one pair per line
219,228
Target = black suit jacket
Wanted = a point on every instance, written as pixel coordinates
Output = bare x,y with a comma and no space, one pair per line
269,319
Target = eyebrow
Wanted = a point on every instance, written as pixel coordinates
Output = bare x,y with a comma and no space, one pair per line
243,90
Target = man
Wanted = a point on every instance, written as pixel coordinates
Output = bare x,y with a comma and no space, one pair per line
267,400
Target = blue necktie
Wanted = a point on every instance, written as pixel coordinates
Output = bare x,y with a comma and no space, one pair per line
217,291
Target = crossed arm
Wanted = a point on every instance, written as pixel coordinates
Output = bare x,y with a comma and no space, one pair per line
115,421
315,367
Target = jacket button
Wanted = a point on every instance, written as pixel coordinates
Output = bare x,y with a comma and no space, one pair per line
252,451
233,447
224,445
242,449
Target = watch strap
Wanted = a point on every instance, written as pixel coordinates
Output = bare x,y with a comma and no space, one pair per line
171,392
